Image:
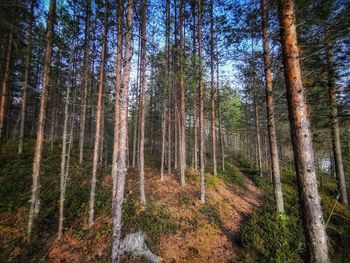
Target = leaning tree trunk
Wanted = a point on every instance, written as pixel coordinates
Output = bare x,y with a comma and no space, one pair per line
315,234
26,79
276,176
213,128
142,101
121,161
34,201
338,158
98,118
85,81
201,103
5,84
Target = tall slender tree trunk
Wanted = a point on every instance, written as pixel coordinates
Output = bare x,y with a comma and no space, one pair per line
182,103
122,166
221,136
195,98
276,176
168,83
336,145
257,129
212,84
34,201
63,165
98,117
315,234
201,104
142,100
26,79
85,81
5,84
163,138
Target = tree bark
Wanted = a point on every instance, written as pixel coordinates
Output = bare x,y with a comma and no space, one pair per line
276,176
85,81
195,139
5,84
121,161
219,117
212,84
336,145
201,104
257,130
26,79
98,117
142,99
34,201
168,83
315,234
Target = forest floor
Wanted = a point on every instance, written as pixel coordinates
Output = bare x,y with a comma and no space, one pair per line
236,224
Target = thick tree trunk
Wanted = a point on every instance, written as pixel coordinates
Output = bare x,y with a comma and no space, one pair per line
201,104
26,79
34,201
142,100
336,145
212,84
5,85
315,234
121,161
85,81
98,118
276,176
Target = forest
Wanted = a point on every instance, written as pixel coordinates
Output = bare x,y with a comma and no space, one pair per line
175,131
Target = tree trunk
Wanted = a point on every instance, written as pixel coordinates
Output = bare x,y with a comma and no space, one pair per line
122,168
98,117
182,103
257,129
276,176
34,201
201,103
168,83
142,100
120,8
338,158
85,81
26,79
315,234
212,84
5,85
163,139
219,117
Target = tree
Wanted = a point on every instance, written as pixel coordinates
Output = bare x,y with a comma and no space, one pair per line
99,116
276,177
201,103
121,161
34,201
315,234
142,101
85,80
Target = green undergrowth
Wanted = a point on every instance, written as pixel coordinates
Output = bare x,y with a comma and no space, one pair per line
267,238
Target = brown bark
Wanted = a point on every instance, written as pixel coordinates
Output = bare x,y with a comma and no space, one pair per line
195,139
5,84
201,104
98,117
182,104
168,83
336,145
221,135
26,79
212,84
257,130
315,234
121,160
142,101
34,201
276,176
85,81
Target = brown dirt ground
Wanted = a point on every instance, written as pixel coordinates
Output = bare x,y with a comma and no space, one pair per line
199,238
